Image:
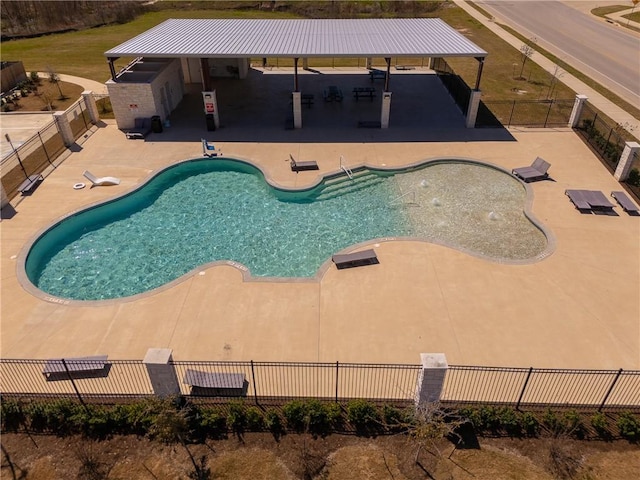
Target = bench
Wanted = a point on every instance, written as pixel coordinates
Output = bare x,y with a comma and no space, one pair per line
30,183
301,166
306,99
356,259
364,92
332,93
77,367
377,75
215,383
625,202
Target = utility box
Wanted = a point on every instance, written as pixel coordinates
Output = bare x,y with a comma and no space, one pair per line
156,124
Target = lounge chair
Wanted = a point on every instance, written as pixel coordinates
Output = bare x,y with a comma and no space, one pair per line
589,200
216,383
30,183
625,202
209,149
300,166
537,171
355,259
79,366
100,181
142,127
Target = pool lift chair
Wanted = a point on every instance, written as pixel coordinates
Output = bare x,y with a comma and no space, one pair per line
209,149
300,166
100,181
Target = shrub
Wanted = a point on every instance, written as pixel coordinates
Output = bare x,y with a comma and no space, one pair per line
35,78
629,426
255,419
273,422
237,417
393,418
294,413
12,415
363,416
169,424
321,418
551,421
634,177
510,421
530,424
600,425
574,425
213,422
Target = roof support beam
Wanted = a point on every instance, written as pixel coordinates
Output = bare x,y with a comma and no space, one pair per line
479,75
206,74
112,69
295,75
388,74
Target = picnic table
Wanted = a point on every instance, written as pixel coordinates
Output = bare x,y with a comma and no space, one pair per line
377,75
364,92
306,99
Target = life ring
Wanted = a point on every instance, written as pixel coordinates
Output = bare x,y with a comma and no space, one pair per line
79,186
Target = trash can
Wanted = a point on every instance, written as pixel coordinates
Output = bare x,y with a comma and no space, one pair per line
156,124
211,124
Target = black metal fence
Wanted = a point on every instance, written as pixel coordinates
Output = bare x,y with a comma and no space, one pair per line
41,150
278,382
458,89
526,113
606,140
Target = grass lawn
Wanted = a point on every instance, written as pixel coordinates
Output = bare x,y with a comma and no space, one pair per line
81,53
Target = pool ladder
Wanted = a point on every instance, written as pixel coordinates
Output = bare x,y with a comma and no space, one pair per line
346,169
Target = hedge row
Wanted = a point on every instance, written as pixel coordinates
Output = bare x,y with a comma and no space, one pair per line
176,420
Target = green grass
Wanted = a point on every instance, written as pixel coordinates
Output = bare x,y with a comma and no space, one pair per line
603,11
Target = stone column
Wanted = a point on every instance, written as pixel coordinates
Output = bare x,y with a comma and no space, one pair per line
4,200
472,110
431,379
631,149
161,373
386,108
64,128
577,110
296,97
92,108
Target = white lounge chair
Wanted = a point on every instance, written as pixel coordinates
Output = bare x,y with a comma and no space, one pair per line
100,181
209,149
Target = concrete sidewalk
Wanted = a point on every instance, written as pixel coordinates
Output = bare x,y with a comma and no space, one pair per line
617,114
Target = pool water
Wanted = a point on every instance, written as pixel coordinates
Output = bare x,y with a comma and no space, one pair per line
202,211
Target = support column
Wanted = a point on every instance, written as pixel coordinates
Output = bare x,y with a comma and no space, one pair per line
206,74
161,373
472,110
64,128
386,108
305,63
296,98
4,200
431,379
631,149
296,87
577,110
92,108
368,63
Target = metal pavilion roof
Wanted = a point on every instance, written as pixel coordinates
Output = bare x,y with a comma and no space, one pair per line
429,37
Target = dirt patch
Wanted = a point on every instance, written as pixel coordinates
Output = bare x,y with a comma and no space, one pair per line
47,97
337,457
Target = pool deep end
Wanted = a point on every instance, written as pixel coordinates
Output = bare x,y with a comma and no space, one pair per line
201,211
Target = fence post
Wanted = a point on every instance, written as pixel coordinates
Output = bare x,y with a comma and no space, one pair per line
631,149
255,388
524,387
513,107
431,378
64,128
162,373
574,118
613,384
92,107
337,370
546,119
74,385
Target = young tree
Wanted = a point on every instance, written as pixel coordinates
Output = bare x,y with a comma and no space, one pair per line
526,52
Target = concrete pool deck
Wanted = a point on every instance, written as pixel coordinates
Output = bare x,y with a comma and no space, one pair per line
578,308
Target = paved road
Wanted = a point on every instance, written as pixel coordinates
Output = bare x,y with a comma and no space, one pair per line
609,54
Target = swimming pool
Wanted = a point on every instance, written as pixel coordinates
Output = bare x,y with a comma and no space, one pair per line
202,211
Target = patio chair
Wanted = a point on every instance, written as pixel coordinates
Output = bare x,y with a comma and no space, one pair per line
625,202
355,259
589,200
100,181
209,149
142,127
300,166
536,171
95,365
